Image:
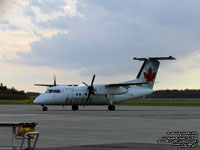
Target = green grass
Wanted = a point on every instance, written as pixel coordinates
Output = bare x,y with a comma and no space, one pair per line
12,102
161,102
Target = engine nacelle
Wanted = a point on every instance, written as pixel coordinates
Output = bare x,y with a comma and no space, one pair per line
102,90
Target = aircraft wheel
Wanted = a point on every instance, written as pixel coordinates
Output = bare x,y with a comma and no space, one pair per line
111,107
44,108
74,107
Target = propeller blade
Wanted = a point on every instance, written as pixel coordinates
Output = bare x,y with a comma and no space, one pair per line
91,87
54,79
49,85
88,96
85,83
93,80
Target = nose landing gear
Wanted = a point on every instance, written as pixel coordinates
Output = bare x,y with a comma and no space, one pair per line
111,107
44,108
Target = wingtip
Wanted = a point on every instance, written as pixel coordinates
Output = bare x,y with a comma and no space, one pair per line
171,57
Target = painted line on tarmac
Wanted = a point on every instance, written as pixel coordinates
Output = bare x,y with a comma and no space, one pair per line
93,140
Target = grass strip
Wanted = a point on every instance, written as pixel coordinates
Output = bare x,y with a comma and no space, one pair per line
161,102
13,102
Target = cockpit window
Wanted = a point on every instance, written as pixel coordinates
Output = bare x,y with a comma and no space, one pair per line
49,91
56,91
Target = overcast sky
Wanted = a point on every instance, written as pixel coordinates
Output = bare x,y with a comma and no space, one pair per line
76,38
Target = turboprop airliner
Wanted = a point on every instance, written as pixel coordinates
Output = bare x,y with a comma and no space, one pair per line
103,94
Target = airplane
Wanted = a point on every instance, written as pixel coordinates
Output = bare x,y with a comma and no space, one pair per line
103,94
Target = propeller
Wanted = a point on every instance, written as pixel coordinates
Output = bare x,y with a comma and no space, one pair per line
54,79
48,85
91,87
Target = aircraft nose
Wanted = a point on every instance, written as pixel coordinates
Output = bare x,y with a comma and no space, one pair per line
38,100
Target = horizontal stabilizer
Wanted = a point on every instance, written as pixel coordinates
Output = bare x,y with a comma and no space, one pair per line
125,84
155,58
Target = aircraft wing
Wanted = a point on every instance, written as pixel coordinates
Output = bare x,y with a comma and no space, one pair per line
125,84
47,85
115,89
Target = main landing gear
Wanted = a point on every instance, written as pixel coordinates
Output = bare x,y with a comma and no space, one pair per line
74,107
44,108
111,107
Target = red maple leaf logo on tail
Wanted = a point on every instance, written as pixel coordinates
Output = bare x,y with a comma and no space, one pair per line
149,75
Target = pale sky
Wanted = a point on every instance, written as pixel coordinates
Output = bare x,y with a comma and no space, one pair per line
74,39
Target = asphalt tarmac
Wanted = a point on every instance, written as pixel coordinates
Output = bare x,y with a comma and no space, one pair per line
95,128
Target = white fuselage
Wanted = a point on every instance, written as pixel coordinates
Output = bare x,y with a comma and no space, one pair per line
78,95
104,94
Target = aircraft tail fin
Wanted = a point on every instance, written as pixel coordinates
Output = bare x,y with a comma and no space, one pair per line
149,69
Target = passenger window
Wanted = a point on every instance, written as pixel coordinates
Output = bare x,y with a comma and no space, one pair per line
85,94
76,94
79,94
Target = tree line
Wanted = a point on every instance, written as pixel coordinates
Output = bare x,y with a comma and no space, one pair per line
11,93
187,93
